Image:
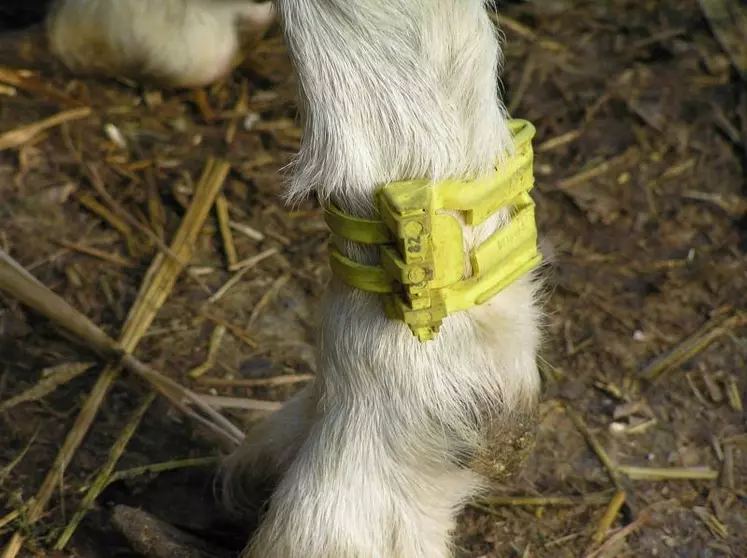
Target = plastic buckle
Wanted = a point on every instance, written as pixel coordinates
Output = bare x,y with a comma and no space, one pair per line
406,208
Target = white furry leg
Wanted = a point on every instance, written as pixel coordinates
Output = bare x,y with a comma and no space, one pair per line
346,495
181,43
258,15
269,448
402,432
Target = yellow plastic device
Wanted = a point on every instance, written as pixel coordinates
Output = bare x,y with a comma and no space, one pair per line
423,260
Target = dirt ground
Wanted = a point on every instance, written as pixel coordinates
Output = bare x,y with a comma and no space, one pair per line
641,166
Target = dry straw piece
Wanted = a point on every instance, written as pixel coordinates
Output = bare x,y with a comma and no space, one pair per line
157,284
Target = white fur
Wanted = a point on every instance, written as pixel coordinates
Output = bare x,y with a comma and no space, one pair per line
186,43
376,458
391,89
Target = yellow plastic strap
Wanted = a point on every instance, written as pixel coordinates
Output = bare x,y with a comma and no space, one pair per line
369,278
423,262
365,231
